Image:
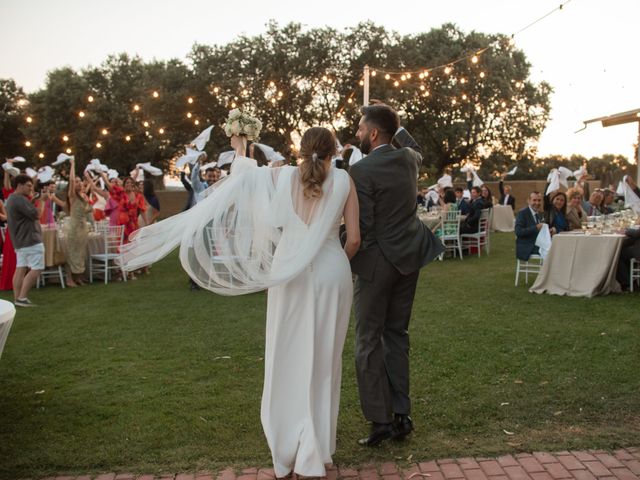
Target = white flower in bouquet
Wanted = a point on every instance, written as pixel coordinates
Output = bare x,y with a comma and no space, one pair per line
240,123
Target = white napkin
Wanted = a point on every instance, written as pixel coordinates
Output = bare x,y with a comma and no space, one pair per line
543,240
580,172
512,171
620,189
140,177
204,167
477,182
111,174
45,174
191,157
226,157
433,196
13,171
63,157
31,172
150,169
445,181
564,174
201,140
466,193
554,181
356,156
269,152
18,159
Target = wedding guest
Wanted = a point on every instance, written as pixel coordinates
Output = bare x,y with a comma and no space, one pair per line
191,199
487,198
124,205
630,249
472,221
528,224
152,204
607,200
575,214
23,220
51,203
8,252
556,215
592,207
462,204
421,199
211,176
449,205
505,195
76,232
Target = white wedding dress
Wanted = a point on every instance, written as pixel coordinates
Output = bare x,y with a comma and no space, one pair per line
256,230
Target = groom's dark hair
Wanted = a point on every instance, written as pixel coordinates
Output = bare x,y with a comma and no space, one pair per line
382,117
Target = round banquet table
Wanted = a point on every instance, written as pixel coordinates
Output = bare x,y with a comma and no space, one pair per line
503,219
7,313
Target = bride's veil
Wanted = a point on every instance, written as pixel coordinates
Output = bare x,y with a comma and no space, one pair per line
229,240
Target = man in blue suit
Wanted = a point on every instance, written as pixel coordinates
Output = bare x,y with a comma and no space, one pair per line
528,224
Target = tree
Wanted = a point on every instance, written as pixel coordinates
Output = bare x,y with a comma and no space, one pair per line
12,100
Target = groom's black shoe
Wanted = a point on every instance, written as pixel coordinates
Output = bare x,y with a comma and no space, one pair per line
403,426
379,433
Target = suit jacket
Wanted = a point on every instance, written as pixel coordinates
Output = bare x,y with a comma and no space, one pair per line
526,233
386,182
511,201
473,217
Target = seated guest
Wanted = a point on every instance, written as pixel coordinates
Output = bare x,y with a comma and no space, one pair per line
462,204
422,197
528,224
505,195
607,200
575,214
556,215
449,200
630,249
592,207
487,198
471,223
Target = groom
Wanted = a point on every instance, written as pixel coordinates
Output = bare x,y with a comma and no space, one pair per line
395,245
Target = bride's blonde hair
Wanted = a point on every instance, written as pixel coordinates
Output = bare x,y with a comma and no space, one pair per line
317,144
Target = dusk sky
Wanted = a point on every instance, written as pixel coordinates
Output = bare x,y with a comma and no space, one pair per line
587,51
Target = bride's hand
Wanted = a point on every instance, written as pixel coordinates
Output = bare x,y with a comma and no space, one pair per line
239,145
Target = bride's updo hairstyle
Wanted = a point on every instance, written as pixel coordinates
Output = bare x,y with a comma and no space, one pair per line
317,144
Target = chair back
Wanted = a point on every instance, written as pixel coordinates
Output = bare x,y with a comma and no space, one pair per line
483,224
101,225
112,237
451,224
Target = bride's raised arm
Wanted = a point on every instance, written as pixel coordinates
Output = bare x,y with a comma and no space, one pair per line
352,222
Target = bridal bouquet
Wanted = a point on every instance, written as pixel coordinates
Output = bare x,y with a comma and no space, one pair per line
240,123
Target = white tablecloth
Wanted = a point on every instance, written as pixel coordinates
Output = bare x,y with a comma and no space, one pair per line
580,266
503,219
7,312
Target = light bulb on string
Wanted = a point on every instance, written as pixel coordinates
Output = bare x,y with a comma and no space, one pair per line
29,119
464,96
463,80
512,41
447,70
98,145
453,101
361,83
324,78
481,74
105,131
474,59
136,108
41,155
189,100
408,75
426,94
27,143
189,115
145,124
272,84
65,138
81,114
127,138
156,94
280,94
503,104
403,77
396,83
161,131
422,87
90,98
233,104
373,73
196,122
350,100
273,100
68,150
245,92
216,89
425,73
387,77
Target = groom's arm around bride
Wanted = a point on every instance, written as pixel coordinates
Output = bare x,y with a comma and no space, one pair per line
395,245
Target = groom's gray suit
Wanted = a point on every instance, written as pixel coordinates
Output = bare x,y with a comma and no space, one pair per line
395,245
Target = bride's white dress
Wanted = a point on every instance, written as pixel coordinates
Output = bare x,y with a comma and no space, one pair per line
307,320
255,230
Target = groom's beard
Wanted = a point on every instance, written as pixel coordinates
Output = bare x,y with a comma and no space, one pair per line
365,146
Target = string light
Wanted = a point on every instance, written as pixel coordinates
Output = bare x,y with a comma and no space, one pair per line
22,102
387,76
233,104
98,145
273,100
41,155
190,100
463,80
161,131
27,143
396,83
68,150
189,115
196,122
156,94
90,99
127,138
447,70
136,108
361,83
216,89
105,131
65,138
145,124
81,114
474,59
373,73
29,119
481,74
464,96
403,77
245,92
272,84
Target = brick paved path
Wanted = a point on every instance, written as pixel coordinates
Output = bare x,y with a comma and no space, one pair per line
621,464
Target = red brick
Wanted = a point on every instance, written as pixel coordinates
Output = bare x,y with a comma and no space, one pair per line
544,457
250,471
388,468
451,470
65,478
182,476
106,476
475,474
623,455
332,474
444,461
517,473
227,474
556,470
541,476
584,456
433,476
491,467
570,462
624,474
368,474
598,469
507,461
141,477
125,476
347,472
205,476
88,477
523,455
633,465
468,463
530,464
248,476
393,476
266,474
499,477
427,467
166,476
414,470
609,461
583,475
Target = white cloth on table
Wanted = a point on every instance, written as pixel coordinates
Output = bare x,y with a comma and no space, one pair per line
543,240
7,314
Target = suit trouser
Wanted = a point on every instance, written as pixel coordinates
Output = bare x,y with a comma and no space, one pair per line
383,309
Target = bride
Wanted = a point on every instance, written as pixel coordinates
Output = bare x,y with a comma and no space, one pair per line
277,229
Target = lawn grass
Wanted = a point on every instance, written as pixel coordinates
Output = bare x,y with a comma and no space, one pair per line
134,376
